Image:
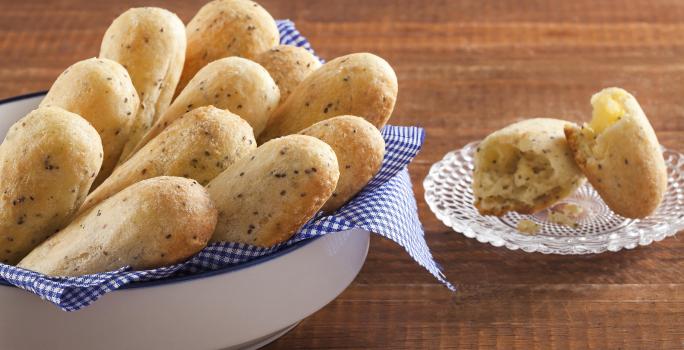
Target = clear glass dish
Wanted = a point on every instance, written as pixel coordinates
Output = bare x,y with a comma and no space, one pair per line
449,195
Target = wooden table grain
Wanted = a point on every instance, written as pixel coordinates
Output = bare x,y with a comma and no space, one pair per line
465,68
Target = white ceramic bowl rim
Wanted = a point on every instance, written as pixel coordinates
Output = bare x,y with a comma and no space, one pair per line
184,278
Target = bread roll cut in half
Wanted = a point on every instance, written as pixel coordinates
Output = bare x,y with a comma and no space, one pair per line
524,167
619,153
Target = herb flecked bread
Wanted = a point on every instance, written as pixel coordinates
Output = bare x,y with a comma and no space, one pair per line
524,167
150,43
360,84
237,84
359,148
48,162
153,223
224,28
619,153
167,109
199,145
262,200
99,90
289,66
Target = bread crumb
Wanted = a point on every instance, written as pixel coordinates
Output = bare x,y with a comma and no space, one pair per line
566,214
528,227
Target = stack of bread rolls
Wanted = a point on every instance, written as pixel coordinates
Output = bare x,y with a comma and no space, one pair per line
177,136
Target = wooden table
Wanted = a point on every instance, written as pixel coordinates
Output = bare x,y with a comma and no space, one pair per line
465,68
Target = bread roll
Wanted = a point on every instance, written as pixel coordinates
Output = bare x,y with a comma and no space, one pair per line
619,153
289,66
263,199
525,167
156,222
99,90
224,28
360,84
199,145
236,84
48,162
150,43
359,148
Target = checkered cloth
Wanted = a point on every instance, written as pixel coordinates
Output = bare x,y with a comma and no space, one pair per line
386,206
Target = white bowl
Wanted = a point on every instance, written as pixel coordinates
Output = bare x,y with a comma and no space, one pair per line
243,307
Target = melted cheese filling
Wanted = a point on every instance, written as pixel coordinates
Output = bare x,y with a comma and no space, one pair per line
608,109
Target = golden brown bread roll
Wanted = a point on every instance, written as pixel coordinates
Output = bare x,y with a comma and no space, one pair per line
359,148
619,153
199,145
263,199
236,84
224,28
360,84
289,66
48,162
99,90
150,43
153,223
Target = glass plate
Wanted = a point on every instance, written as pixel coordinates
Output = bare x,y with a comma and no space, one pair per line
448,193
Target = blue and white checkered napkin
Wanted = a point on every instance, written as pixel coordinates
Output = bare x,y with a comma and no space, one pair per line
386,206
